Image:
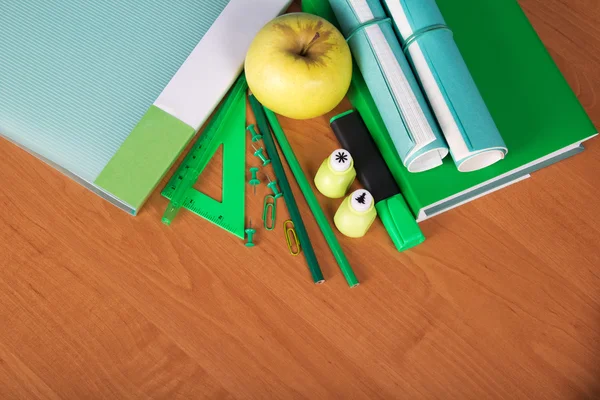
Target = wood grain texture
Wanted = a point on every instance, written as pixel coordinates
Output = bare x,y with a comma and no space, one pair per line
501,301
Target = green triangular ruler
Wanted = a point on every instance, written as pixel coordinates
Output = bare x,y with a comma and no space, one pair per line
228,129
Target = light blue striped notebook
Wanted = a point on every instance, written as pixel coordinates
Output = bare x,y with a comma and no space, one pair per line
111,91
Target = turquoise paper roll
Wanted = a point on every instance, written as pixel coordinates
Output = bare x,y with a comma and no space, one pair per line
392,83
468,127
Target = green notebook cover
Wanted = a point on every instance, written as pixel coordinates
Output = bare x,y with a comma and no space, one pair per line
537,113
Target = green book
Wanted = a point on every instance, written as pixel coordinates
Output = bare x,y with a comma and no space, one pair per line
538,115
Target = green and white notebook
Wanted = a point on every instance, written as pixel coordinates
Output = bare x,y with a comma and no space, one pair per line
110,92
535,110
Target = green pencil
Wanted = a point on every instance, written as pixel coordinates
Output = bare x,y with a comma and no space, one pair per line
288,196
334,245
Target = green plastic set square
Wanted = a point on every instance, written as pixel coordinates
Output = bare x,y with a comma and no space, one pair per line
226,129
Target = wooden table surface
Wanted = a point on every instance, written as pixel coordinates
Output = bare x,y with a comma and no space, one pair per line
501,301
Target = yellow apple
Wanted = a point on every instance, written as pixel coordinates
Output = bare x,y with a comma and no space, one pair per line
299,66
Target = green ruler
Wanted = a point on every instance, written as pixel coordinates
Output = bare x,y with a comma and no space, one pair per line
226,128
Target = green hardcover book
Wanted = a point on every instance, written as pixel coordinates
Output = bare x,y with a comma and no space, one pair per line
537,113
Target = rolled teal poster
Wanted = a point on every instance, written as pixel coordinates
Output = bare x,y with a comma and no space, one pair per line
468,127
378,54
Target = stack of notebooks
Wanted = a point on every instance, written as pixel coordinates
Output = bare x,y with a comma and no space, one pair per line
110,92
460,96
488,93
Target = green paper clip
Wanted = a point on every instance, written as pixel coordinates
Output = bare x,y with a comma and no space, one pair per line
269,206
260,154
255,135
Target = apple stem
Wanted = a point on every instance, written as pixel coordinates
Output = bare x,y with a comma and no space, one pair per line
307,47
